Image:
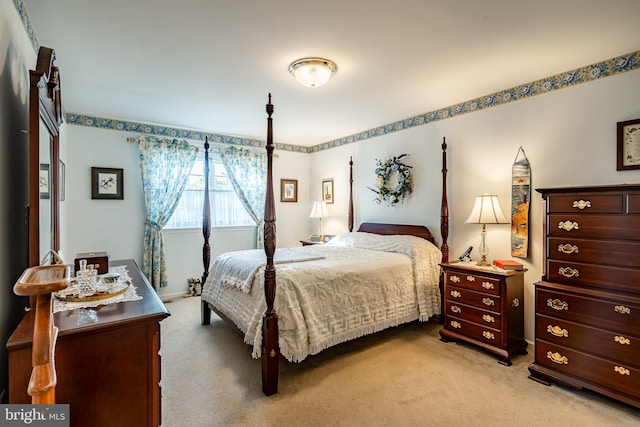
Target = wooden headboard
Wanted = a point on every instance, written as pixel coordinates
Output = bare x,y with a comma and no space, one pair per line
411,230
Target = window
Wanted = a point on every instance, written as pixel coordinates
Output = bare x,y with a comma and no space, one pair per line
226,207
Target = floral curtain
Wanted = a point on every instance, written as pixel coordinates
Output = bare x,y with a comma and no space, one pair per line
165,165
248,174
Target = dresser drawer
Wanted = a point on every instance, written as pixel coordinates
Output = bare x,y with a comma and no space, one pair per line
472,330
478,299
606,252
593,275
619,377
608,227
612,345
474,282
474,314
605,314
587,203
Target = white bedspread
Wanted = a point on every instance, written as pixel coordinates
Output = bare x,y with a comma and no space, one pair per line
357,284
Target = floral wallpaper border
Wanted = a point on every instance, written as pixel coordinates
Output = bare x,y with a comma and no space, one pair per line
599,70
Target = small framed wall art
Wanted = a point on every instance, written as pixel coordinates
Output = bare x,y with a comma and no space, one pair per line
327,191
45,184
106,183
288,190
628,145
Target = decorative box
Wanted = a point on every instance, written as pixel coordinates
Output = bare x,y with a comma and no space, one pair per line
99,261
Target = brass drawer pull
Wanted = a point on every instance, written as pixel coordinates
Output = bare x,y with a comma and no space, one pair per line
581,204
622,340
557,331
621,370
568,272
488,301
556,304
557,358
488,319
568,225
471,279
455,279
456,294
622,309
456,309
568,249
455,324
488,335
488,285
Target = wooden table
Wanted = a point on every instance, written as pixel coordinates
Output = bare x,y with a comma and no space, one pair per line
107,359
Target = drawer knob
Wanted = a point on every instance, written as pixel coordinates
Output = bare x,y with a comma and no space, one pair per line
568,225
455,324
488,285
488,319
456,309
488,335
456,294
568,272
581,204
471,279
568,249
622,309
621,370
556,304
557,331
488,301
622,340
455,279
557,358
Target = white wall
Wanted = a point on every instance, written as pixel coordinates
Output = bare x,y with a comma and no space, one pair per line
569,137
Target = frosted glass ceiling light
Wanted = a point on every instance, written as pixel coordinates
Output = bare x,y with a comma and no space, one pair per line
313,72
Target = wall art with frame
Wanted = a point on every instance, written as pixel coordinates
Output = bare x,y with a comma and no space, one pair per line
45,181
288,190
327,191
628,145
106,183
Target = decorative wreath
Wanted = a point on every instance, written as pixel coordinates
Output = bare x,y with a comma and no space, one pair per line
388,172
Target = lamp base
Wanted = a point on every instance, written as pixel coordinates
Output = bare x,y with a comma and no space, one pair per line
483,262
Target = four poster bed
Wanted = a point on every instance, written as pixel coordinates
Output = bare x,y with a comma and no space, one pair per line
356,284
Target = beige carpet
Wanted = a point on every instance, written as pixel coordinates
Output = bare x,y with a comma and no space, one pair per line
400,377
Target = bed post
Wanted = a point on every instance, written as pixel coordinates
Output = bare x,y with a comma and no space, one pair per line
350,194
270,349
444,209
206,232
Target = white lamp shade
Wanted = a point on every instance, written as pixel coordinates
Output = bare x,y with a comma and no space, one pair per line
319,210
487,210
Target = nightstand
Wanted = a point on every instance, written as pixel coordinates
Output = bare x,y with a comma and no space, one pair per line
485,307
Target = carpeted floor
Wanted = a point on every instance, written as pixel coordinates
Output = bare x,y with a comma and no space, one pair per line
404,376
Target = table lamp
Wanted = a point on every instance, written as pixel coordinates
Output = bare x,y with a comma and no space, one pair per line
319,211
486,210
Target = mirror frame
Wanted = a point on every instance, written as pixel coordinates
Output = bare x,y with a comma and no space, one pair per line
44,104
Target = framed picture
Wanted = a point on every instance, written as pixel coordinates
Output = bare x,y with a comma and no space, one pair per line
45,181
106,183
62,179
628,147
288,190
327,191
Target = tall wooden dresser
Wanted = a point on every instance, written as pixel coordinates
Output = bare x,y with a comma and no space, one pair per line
587,324
107,359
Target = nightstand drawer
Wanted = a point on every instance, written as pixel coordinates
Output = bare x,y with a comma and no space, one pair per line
473,281
474,314
614,315
617,376
472,330
614,345
478,299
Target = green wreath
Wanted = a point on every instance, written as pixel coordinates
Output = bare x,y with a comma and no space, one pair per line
386,191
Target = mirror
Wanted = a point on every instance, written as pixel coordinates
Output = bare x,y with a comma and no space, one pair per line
45,118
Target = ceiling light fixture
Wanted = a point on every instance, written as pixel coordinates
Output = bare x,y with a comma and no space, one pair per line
312,72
